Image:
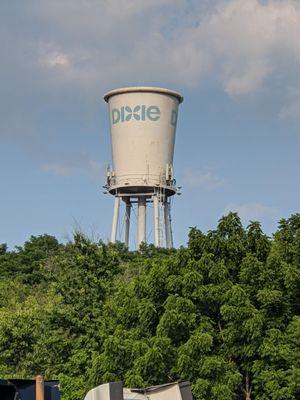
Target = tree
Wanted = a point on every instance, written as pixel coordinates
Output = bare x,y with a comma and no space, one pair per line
222,312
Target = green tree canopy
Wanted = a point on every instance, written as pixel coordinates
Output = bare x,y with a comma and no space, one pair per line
223,312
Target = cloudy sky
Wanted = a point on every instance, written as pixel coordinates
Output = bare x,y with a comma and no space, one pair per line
237,64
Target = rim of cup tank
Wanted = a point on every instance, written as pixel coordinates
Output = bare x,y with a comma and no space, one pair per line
145,89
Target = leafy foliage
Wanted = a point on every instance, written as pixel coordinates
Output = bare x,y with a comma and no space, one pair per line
223,312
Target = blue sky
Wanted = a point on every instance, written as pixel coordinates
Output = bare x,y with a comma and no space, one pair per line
238,139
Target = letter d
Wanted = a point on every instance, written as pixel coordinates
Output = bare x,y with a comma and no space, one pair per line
115,115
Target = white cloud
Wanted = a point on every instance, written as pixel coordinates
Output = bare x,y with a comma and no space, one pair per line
250,47
78,164
292,109
129,8
80,49
204,179
251,211
55,59
248,81
245,46
59,169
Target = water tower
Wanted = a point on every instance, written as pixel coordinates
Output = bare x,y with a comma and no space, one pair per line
142,128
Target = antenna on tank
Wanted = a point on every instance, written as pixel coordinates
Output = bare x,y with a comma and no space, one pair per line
142,129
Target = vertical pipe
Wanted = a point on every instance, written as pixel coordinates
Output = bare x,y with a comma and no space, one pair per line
141,220
39,388
127,221
170,228
115,220
168,225
156,221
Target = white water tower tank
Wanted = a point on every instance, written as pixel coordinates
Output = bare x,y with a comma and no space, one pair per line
142,127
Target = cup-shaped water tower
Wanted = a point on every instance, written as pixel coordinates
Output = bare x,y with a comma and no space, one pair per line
142,127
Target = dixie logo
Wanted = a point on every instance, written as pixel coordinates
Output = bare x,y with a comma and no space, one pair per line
137,113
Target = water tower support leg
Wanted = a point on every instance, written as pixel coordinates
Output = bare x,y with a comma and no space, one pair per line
156,221
115,220
141,220
127,221
168,226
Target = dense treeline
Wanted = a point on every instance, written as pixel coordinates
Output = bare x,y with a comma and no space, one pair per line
223,312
